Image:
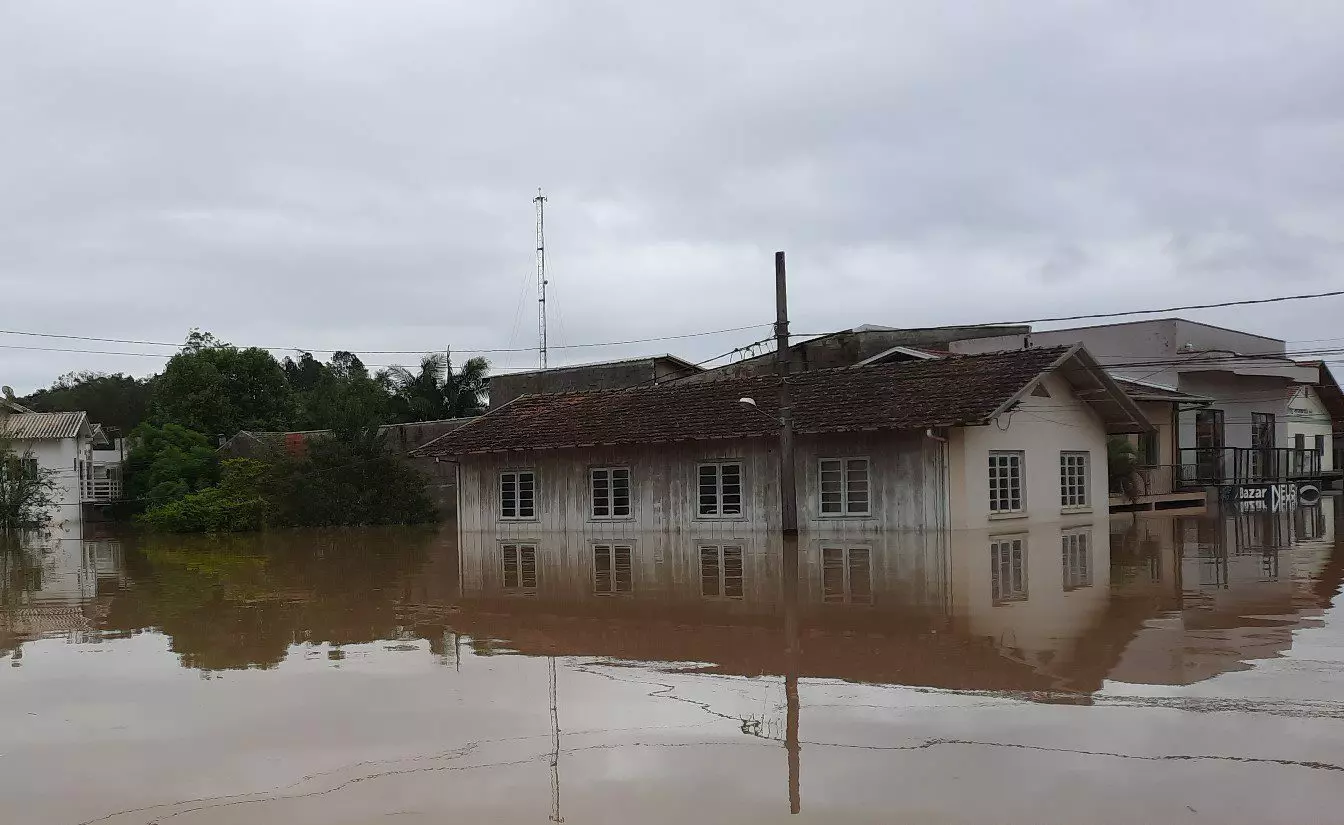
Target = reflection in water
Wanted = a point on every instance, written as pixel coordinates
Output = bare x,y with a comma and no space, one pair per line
1040,609
1045,613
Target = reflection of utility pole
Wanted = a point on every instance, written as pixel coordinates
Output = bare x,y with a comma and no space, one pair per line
791,743
555,746
788,493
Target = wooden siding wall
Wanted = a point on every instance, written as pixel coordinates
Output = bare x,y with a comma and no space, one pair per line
906,479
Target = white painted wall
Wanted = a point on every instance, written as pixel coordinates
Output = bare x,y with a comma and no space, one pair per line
1042,428
60,456
1308,417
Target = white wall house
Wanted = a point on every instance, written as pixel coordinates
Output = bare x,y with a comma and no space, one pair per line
1247,380
59,442
984,442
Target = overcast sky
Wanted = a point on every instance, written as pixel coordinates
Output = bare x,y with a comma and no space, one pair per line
359,174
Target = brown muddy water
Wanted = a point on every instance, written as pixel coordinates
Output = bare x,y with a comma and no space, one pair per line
1151,670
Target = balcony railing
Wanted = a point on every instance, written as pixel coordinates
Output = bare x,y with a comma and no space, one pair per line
1157,480
100,483
1209,466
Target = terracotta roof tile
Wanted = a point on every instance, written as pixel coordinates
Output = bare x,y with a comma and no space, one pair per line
963,389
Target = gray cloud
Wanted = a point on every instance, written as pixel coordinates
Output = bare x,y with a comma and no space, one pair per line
355,174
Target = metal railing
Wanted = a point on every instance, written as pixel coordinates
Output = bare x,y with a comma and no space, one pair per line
1206,466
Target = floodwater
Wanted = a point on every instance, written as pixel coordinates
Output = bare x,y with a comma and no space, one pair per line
1153,669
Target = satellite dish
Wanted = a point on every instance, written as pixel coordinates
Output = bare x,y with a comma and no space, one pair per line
9,392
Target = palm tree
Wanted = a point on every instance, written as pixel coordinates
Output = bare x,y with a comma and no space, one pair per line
436,391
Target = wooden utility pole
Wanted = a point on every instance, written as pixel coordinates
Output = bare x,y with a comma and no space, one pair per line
788,493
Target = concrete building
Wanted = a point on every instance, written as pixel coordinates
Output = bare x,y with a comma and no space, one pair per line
982,442
869,343
603,375
1238,434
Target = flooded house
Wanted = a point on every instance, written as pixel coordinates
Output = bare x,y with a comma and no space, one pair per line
1240,438
973,442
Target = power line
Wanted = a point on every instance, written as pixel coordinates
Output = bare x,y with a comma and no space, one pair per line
1220,304
473,350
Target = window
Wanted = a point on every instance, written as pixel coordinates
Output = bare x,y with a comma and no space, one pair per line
1319,444
520,567
611,492
720,490
1150,449
721,571
1262,442
846,577
844,486
612,570
1076,555
518,495
1073,479
1008,569
1005,482
28,466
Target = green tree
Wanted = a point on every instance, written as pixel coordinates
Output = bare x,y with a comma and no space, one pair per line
118,401
436,391
218,389
339,395
238,504
27,490
168,462
350,481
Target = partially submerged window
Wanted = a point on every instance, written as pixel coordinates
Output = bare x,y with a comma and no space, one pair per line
1008,569
520,567
610,488
1073,471
1005,482
1076,556
613,570
518,495
720,490
846,575
721,571
844,487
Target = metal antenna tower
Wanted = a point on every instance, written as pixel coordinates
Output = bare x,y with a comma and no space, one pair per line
540,201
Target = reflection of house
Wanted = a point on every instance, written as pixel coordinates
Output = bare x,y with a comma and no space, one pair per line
961,442
906,608
49,587
1241,436
1224,590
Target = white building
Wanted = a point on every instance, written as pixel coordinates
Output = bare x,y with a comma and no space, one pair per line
60,442
1239,432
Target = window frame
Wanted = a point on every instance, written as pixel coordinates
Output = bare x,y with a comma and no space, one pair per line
846,595
521,588
1082,485
517,491
844,462
610,470
612,546
998,595
719,514
720,549
1076,543
1021,458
